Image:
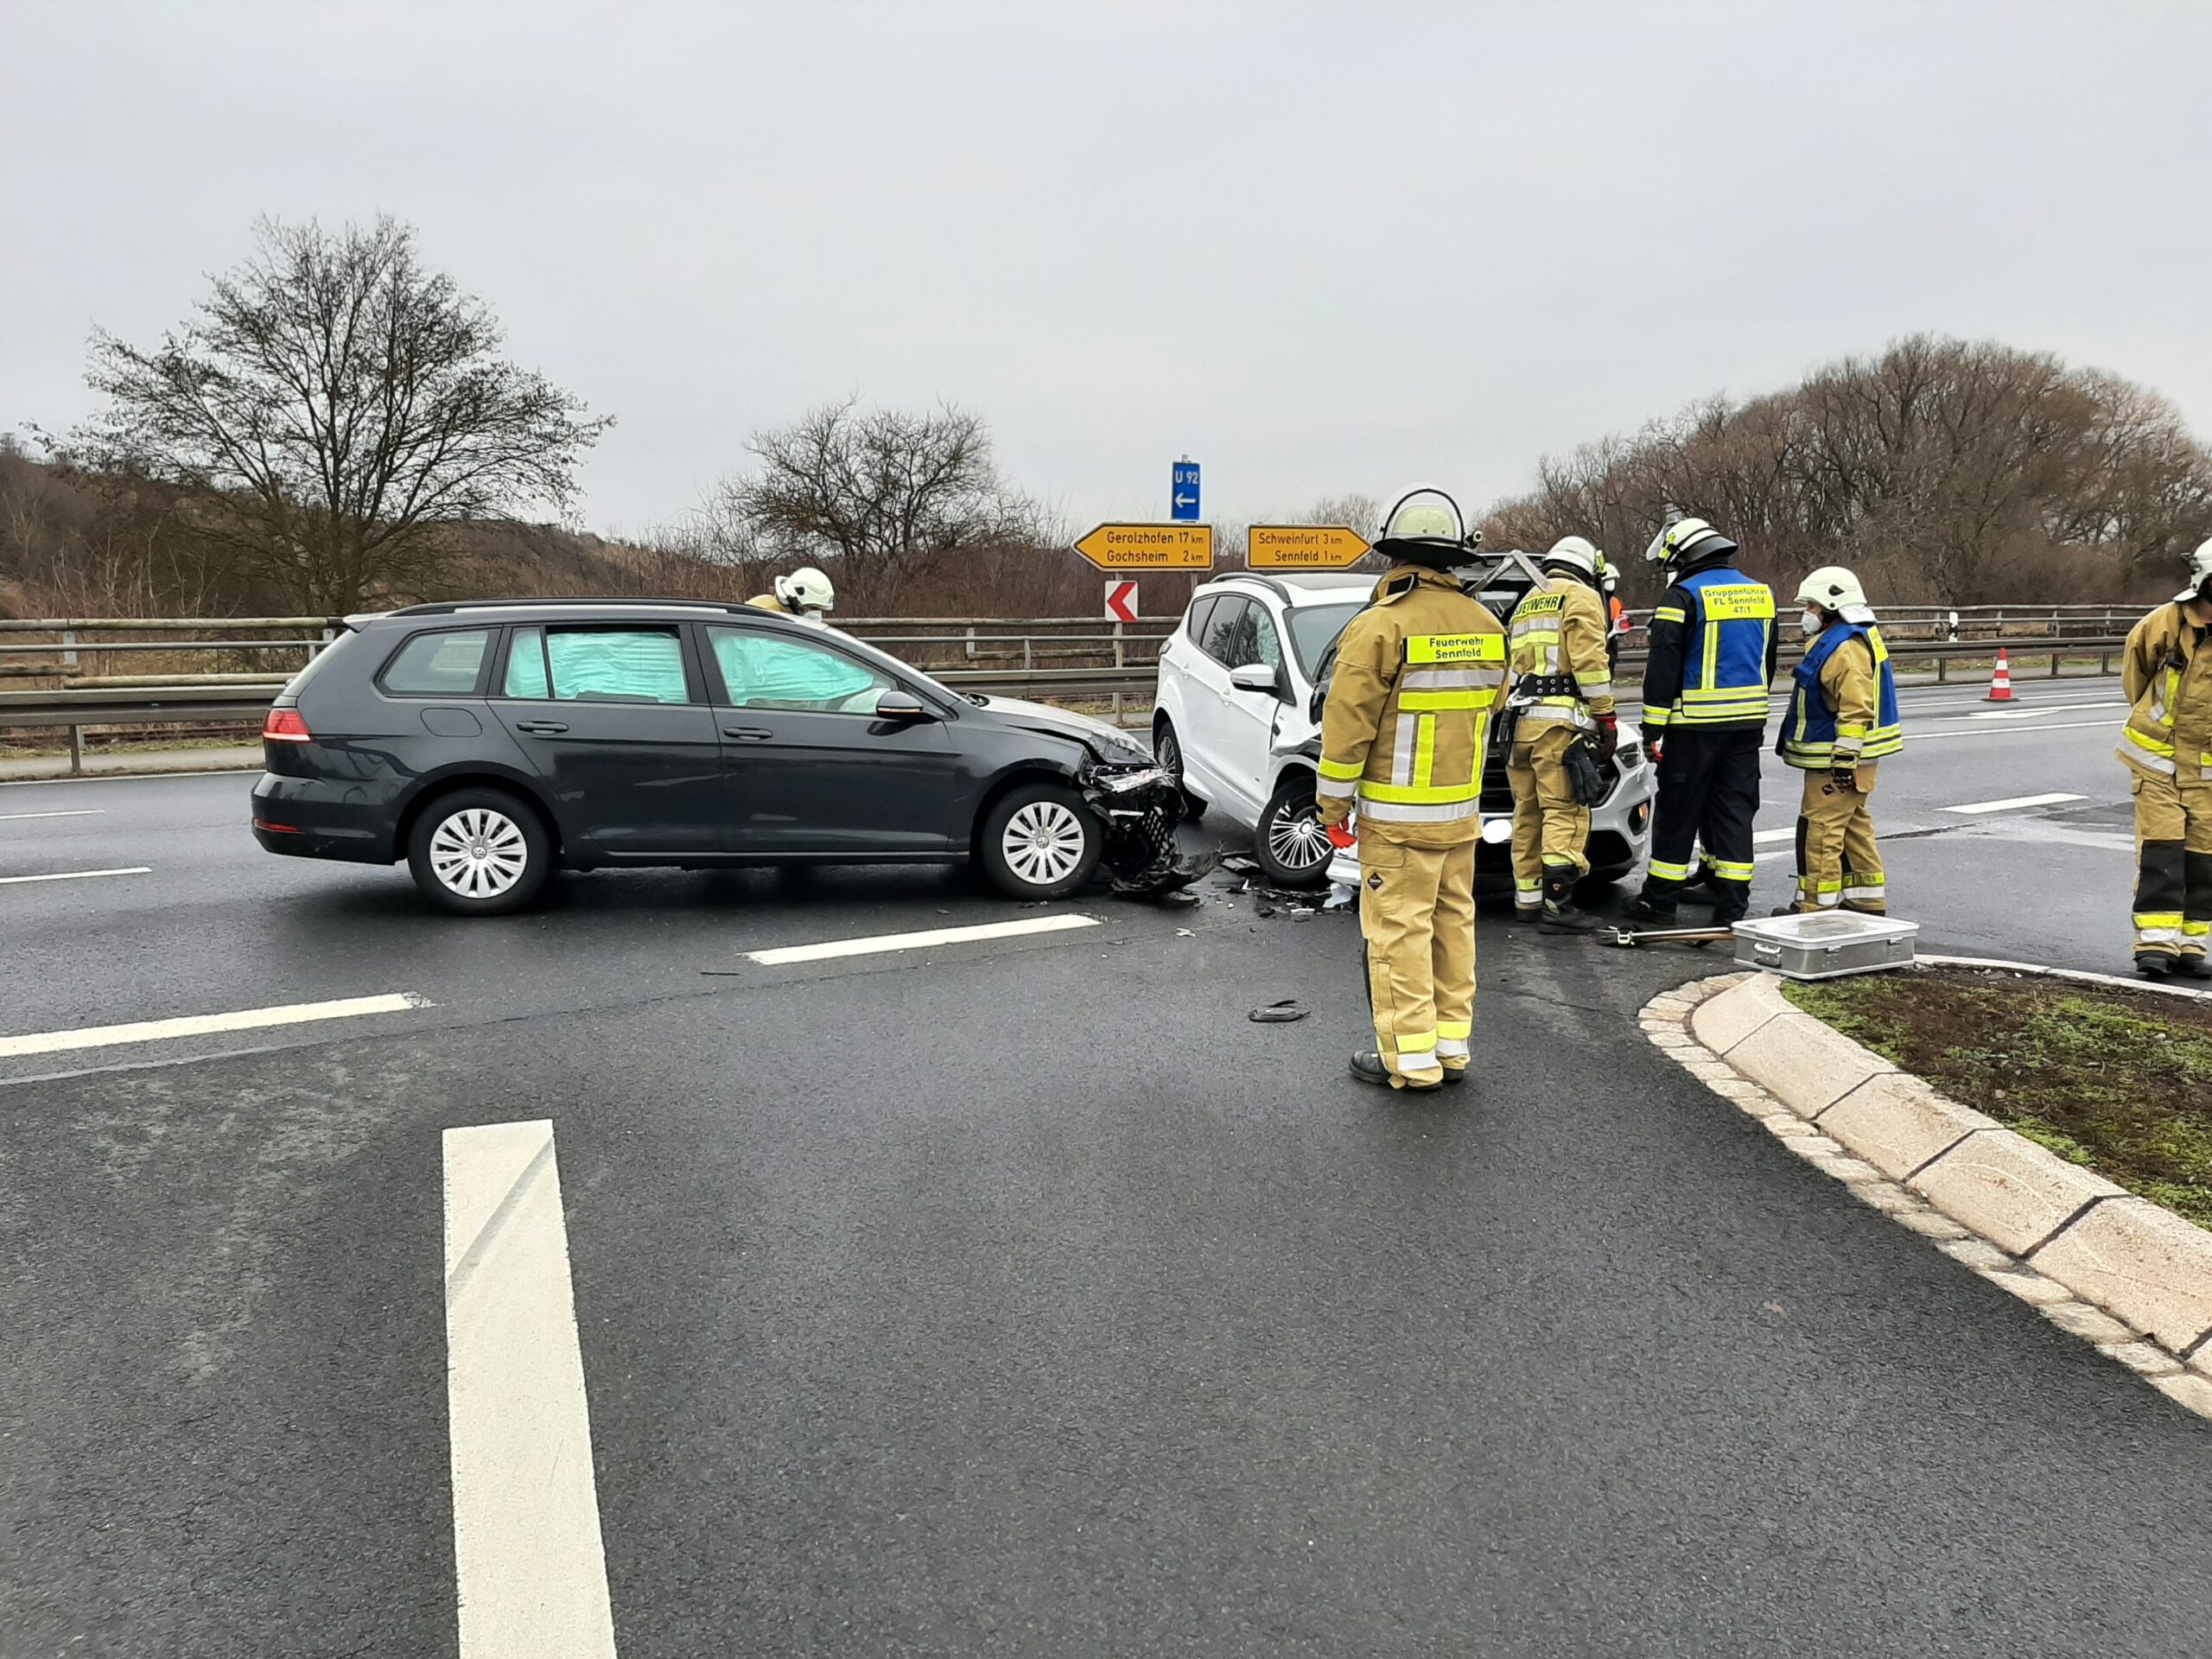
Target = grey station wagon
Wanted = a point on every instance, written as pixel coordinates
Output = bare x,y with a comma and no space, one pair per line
487,743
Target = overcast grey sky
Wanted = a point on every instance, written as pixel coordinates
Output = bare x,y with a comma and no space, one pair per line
1318,248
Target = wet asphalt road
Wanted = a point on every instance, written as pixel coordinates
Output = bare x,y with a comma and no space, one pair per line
1022,1297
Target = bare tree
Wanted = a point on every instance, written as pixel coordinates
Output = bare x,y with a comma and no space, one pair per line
330,404
887,492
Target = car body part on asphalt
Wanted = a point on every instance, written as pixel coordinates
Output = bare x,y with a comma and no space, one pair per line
491,743
1241,682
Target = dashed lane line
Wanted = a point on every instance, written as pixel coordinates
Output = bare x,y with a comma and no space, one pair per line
2017,803
529,1562
74,812
200,1025
830,949
1790,834
76,875
2012,731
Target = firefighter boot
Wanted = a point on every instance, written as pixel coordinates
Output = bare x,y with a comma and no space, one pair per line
1560,915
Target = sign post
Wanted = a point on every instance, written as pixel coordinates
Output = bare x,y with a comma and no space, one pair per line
1183,493
1121,601
1303,547
1149,547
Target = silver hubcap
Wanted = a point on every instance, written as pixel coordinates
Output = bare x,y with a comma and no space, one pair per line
479,852
1043,843
1169,754
1297,840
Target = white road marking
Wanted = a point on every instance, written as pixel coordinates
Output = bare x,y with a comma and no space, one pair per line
199,1025
77,875
1779,852
529,1565
864,947
74,812
1790,834
2024,731
2031,714
2015,803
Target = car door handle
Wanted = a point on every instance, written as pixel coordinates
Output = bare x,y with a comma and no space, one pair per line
748,734
540,728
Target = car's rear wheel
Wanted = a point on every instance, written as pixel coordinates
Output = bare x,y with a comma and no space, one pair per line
1291,848
480,852
1167,755
1040,841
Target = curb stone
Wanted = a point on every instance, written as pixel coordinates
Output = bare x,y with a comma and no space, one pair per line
2127,1276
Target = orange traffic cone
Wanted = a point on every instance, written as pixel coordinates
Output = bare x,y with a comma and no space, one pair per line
2001,682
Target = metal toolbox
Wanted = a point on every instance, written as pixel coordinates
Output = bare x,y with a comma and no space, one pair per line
1825,947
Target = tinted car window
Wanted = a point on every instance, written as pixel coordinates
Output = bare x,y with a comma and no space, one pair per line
771,671
1314,628
526,665
438,664
615,665
1195,624
1238,633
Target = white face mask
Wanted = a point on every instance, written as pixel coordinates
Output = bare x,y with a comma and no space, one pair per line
1811,621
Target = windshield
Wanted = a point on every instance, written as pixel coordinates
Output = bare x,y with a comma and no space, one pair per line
1314,628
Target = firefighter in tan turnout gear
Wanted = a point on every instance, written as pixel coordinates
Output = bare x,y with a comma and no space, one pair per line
2168,745
1841,722
1418,674
1562,697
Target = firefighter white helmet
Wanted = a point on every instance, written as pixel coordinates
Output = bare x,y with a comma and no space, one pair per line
1832,587
1577,553
2200,575
1687,538
1425,528
806,589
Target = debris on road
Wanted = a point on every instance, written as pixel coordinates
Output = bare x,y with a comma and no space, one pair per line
1279,1014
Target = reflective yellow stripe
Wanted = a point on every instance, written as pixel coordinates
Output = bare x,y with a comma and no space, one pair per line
1432,795
1456,648
1454,1031
1390,813
1340,770
1718,713
1729,870
1461,700
1668,613
2158,919
1671,871
1655,717
2142,741
1425,746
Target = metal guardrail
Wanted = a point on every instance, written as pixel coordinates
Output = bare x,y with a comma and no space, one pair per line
1078,658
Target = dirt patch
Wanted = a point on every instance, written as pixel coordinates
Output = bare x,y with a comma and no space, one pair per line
2117,1080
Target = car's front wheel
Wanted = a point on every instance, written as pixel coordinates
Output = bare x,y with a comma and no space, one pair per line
1291,848
1167,755
480,852
1040,841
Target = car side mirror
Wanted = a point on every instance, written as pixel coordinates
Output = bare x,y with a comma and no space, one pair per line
1255,676
903,705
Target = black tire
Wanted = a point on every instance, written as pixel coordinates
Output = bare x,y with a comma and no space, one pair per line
1598,885
1167,752
484,839
1055,839
1288,844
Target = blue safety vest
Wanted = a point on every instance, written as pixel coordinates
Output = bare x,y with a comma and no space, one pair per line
1809,730
1724,659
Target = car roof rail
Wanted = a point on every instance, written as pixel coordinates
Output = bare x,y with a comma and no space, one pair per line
448,606
1281,590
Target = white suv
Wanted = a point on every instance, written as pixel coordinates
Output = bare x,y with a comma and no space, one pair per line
1241,685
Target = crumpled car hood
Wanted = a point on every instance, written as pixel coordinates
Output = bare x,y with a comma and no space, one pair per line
1108,740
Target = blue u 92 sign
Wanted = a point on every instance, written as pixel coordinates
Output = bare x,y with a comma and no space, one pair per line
1183,494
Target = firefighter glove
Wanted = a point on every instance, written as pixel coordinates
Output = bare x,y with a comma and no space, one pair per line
1333,810
1844,775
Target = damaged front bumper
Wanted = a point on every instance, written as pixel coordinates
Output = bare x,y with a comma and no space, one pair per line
1141,804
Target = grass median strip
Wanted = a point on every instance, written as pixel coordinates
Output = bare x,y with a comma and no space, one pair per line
2118,1081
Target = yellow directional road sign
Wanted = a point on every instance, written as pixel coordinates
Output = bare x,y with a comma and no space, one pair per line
1149,547
1303,547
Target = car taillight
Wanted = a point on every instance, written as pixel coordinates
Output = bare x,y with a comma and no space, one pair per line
285,726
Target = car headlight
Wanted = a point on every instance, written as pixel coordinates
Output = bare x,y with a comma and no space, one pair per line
1122,783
